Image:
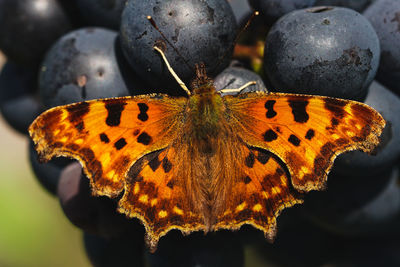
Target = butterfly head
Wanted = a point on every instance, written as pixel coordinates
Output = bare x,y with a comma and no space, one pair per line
202,84
205,107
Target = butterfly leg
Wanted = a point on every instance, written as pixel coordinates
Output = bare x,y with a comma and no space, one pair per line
238,90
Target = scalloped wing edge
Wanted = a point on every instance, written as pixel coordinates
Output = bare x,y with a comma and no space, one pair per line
368,145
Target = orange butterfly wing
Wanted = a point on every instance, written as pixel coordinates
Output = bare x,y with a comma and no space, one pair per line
254,190
169,190
156,193
263,191
107,136
306,132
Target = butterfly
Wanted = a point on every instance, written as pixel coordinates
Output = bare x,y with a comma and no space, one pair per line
206,162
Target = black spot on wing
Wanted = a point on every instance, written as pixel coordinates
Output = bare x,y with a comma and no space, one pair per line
299,110
270,135
143,116
120,143
143,108
144,139
77,111
249,160
263,157
154,163
279,171
136,132
246,179
269,105
114,109
334,122
294,140
170,184
335,106
310,134
104,138
80,126
167,165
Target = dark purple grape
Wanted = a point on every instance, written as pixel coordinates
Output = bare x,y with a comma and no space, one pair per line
365,252
214,250
312,247
75,198
241,9
202,31
384,16
235,77
96,215
358,206
70,7
85,64
111,252
357,5
357,163
18,105
29,27
330,51
16,80
106,13
272,10
20,112
48,174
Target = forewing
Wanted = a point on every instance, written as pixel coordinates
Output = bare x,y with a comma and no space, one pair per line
305,132
107,136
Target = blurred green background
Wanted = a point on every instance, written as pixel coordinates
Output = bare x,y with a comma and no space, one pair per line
33,228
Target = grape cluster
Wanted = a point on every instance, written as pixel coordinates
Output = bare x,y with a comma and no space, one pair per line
65,51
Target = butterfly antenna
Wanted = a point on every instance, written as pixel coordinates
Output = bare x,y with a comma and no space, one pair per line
153,23
240,33
171,70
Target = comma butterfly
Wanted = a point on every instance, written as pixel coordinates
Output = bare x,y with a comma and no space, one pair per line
206,162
